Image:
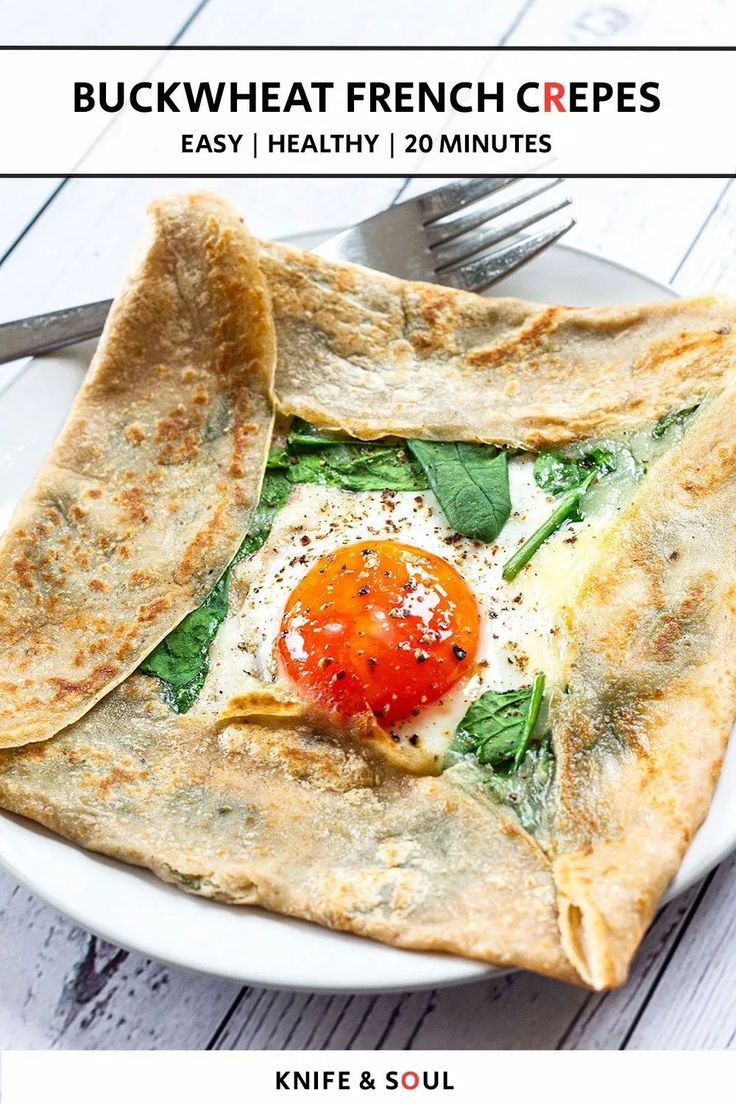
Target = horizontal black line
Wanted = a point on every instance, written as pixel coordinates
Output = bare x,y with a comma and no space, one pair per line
446,49
364,176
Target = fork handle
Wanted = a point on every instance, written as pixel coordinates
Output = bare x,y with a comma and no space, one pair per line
44,332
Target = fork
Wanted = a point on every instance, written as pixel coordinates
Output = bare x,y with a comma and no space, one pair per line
425,238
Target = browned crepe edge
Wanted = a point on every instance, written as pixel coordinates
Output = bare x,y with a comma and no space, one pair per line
197,279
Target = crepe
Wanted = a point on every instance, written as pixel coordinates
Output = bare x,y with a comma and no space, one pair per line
150,487
280,811
650,698
296,822
371,354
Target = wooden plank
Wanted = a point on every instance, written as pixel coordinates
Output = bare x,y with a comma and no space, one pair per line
333,22
515,1012
64,988
627,23
711,260
20,201
694,1005
82,23
604,1020
622,219
93,22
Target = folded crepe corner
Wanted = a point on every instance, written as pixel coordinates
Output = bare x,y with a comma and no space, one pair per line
150,486
585,936
275,705
264,704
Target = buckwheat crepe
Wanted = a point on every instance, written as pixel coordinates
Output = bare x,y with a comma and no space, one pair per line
146,494
284,813
372,355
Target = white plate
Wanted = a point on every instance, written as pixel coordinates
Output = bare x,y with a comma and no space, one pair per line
129,906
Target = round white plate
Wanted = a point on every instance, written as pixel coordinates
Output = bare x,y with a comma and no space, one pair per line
129,906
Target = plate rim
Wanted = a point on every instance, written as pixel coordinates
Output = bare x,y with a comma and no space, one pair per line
458,969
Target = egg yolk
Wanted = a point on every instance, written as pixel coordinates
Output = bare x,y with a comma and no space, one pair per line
379,626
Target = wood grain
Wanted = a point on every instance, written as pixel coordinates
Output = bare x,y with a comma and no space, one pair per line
76,23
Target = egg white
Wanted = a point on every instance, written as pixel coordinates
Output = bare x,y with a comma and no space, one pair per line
519,620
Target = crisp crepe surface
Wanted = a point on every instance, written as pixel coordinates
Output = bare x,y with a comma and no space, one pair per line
371,354
149,488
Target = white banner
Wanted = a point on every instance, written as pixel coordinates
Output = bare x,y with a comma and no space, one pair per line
431,112
264,1077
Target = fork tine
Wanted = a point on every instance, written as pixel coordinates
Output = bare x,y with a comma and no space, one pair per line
440,233
485,270
461,193
463,248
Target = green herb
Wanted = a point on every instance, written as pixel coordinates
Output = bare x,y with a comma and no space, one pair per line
497,732
312,456
530,720
568,510
274,493
302,434
498,727
675,417
556,473
278,459
357,467
181,660
526,790
471,483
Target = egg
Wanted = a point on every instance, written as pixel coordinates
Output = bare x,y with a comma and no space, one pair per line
310,612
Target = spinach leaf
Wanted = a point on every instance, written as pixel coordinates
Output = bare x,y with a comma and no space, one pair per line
497,728
357,467
567,475
303,434
471,483
526,789
312,456
181,660
278,459
274,493
556,473
675,417
568,510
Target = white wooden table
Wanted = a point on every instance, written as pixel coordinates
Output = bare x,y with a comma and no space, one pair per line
67,241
